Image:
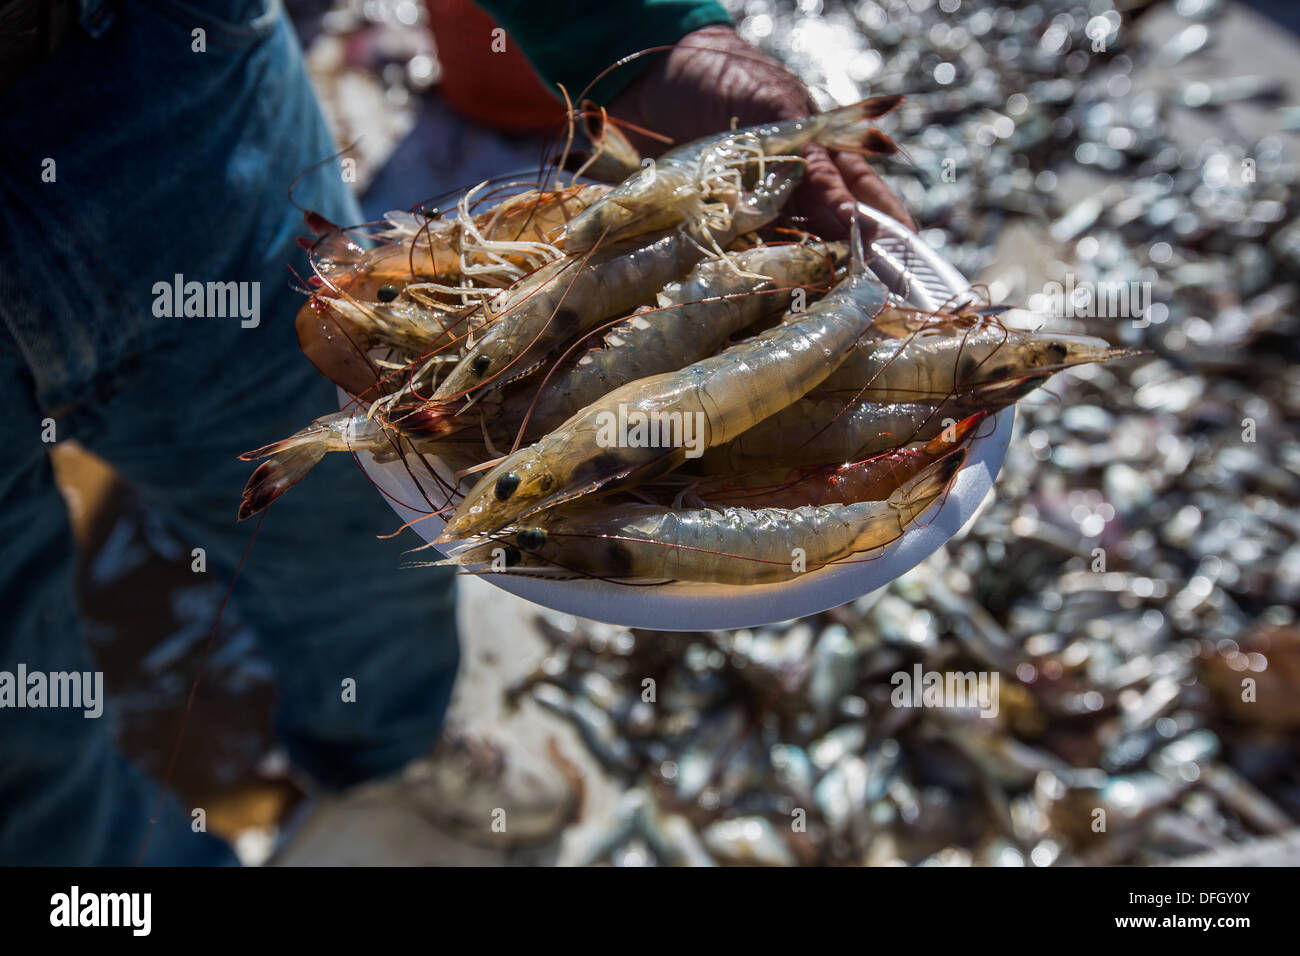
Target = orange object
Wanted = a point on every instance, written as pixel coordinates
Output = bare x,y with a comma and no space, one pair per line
497,89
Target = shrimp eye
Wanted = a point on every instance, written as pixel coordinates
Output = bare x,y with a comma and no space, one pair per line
513,556
480,364
532,539
387,293
507,484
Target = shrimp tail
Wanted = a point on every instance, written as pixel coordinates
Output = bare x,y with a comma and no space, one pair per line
956,436
878,106
428,420
915,496
852,129
332,244
290,460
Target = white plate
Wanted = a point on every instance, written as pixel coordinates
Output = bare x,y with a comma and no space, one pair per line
916,272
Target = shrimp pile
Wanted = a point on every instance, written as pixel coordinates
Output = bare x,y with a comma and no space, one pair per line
646,382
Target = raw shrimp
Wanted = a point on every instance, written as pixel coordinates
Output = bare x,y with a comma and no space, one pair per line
936,362
701,182
694,318
291,458
716,399
429,248
397,294
612,157
570,296
872,479
337,333
830,430
722,546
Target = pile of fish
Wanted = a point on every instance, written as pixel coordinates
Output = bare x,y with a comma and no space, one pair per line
815,742
1132,581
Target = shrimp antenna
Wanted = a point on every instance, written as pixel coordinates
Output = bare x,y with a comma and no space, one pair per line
315,166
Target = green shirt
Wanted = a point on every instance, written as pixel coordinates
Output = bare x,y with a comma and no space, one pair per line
571,41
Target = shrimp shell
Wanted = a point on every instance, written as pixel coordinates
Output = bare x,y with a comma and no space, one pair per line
570,296
872,479
694,319
720,546
726,394
935,363
683,180
424,248
825,430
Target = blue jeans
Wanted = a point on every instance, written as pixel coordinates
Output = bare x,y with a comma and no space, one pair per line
168,161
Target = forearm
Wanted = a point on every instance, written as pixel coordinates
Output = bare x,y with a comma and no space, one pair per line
572,41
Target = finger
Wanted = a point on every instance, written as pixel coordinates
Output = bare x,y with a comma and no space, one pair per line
822,204
865,183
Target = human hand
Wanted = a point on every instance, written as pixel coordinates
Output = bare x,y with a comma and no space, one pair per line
714,75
